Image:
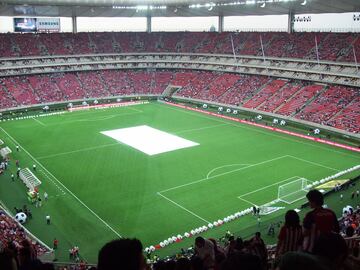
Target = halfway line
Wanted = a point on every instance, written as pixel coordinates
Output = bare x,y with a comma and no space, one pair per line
77,151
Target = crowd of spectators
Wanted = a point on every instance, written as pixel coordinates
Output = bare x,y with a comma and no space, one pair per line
14,240
321,242
328,104
332,46
336,106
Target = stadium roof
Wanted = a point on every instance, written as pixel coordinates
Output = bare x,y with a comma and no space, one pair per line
126,8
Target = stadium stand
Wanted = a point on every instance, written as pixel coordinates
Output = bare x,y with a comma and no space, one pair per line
243,90
336,106
329,103
276,100
264,94
13,236
332,46
348,118
297,101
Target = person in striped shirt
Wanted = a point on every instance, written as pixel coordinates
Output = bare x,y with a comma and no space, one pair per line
318,221
290,237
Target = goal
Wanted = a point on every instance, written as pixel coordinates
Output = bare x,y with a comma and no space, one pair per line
29,179
293,191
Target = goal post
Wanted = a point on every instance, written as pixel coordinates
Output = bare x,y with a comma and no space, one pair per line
293,191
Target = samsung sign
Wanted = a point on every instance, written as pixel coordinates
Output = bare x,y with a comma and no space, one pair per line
48,25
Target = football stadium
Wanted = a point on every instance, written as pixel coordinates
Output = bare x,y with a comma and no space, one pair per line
179,134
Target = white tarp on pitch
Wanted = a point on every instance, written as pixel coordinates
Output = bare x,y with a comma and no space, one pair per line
149,140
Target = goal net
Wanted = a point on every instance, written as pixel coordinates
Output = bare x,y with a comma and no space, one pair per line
268,209
29,179
293,191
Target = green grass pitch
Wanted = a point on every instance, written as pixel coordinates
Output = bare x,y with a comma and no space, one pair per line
100,189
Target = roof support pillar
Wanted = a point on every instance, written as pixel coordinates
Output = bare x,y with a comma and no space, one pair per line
221,23
74,24
148,23
74,20
290,26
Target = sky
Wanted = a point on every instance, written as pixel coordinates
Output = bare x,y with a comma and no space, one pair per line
342,22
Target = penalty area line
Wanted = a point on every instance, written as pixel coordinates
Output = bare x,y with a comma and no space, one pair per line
182,207
274,184
224,166
315,163
221,174
61,184
251,203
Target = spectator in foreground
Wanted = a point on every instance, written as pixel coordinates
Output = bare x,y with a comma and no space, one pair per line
290,237
7,260
318,221
258,247
124,254
299,261
205,250
331,250
243,261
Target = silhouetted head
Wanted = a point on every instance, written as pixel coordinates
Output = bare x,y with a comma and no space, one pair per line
199,242
315,198
125,254
292,219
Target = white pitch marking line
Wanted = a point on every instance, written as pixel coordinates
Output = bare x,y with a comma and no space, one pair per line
221,174
56,196
182,207
198,129
41,123
248,202
274,184
314,163
52,181
255,129
68,190
98,119
134,109
77,151
224,166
